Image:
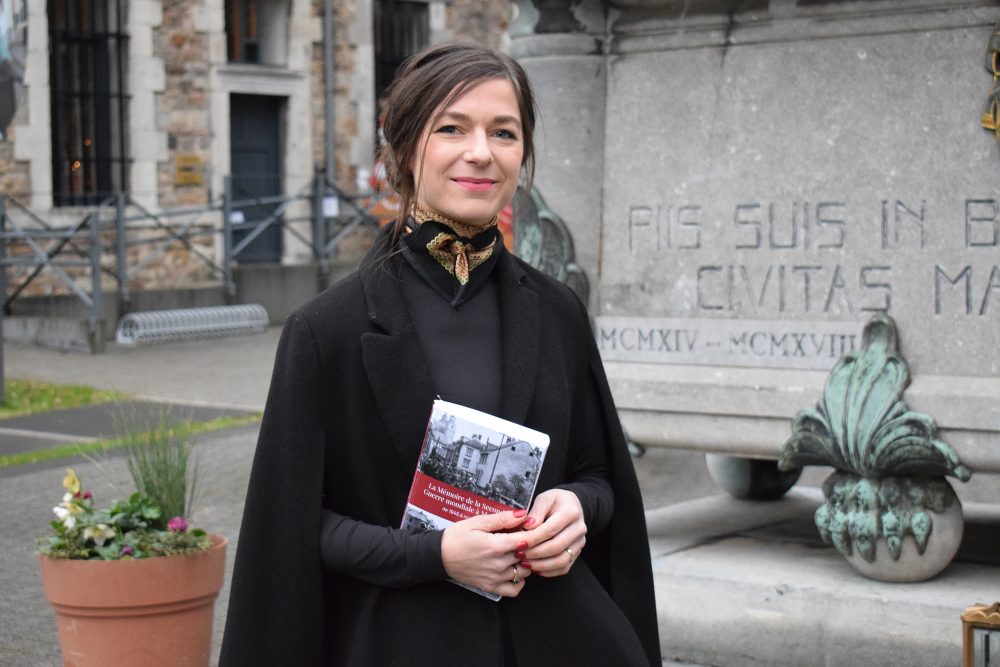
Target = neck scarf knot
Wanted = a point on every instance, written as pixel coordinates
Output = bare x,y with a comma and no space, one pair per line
457,247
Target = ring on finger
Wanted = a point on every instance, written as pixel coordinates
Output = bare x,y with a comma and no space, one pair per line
516,580
572,555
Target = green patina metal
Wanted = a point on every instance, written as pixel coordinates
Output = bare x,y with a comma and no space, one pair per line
891,464
859,510
543,240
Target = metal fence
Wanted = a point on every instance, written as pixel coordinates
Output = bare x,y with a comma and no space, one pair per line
97,245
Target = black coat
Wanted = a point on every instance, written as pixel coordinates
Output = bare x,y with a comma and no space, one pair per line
345,418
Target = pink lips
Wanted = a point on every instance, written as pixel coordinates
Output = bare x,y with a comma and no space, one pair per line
477,184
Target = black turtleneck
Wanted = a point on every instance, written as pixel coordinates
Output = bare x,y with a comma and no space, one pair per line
415,248
461,344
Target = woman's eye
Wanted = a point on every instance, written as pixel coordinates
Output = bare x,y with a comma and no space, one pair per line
447,129
506,134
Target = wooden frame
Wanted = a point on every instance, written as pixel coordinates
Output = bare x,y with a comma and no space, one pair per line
979,616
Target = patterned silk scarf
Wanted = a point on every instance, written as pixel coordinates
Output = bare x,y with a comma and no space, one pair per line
454,258
458,248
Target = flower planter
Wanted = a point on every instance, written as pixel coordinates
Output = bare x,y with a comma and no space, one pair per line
149,611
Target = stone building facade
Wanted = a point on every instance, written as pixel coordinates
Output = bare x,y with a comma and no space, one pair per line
181,92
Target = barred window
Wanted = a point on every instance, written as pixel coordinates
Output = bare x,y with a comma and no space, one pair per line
401,29
88,51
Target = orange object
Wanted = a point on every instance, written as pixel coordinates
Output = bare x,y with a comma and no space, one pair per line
148,611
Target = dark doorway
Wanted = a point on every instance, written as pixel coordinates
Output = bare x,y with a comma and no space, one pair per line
255,159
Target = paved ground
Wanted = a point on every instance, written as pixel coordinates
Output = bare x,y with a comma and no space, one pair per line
32,433
216,375
204,379
225,372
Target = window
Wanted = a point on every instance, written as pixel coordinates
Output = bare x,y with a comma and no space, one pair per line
257,31
401,29
482,457
88,48
242,31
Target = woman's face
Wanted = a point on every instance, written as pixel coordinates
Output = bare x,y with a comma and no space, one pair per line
469,156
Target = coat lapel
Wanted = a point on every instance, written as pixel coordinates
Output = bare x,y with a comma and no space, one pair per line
396,367
519,317
394,362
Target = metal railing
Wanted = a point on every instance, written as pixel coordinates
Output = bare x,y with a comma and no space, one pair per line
83,240
31,245
114,226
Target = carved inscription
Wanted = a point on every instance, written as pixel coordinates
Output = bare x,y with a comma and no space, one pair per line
794,259
787,344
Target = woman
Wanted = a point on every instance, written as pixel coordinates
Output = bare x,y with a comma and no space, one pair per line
439,308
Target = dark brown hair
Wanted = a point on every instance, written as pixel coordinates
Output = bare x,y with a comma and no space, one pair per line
430,80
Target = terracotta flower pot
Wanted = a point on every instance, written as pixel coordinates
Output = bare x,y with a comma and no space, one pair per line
150,611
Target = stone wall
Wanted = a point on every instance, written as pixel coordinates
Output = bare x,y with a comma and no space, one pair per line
15,177
15,174
482,22
345,110
183,106
180,82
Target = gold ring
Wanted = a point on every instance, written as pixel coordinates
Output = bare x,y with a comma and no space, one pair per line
571,554
516,580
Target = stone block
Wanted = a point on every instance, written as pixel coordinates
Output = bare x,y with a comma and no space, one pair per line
210,17
146,12
797,184
29,139
569,140
141,42
280,289
144,181
769,179
61,333
743,583
147,74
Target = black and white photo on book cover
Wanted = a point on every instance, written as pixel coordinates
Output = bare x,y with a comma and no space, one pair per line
472,463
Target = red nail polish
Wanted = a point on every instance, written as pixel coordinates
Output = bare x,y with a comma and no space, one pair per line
521,546
530,522
519,554
525,564
519,513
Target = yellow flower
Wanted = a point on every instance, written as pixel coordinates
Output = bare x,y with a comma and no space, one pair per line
71,482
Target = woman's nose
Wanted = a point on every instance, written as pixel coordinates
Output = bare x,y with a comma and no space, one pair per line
478,149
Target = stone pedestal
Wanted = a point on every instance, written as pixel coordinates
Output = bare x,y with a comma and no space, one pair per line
562,52
747,183
744,583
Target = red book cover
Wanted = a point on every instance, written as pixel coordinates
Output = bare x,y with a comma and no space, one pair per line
472,463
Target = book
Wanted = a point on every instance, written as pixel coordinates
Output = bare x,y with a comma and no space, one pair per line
472,463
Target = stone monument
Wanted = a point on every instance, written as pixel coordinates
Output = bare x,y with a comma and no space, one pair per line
747,183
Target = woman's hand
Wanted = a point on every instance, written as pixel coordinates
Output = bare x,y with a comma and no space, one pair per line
557,531
475,552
